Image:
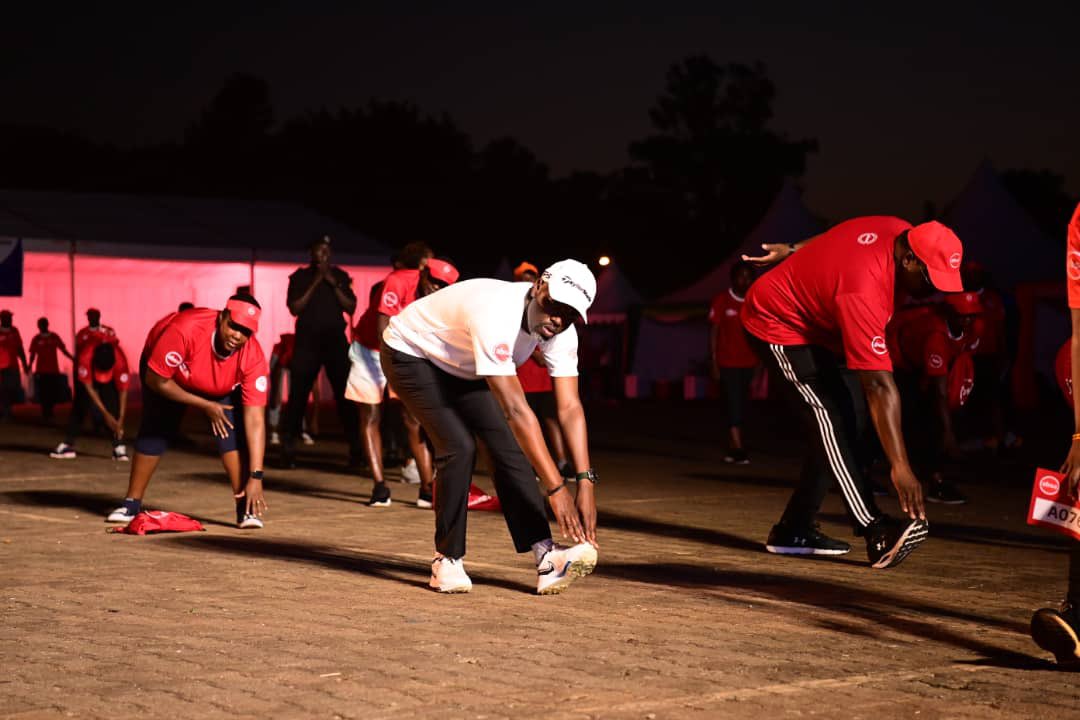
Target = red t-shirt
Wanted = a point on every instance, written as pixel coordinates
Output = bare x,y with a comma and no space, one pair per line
88,332
837,291
731,349
1072,260
85,371
1063,371
283,350
990,324
366,331
399,289
183,349
920,341
534,377
46,346
10,347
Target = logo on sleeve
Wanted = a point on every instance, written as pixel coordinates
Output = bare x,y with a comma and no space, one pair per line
260,383
251,310
731,312
390,299
83,372
501,352
1049,485
935,361
878,345
173,359
1074,264
867,239
954,260
124,377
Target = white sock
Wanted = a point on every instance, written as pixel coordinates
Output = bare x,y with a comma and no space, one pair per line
540,549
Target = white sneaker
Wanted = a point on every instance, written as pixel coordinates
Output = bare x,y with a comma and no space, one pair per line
561,565
410,473
275,439
120,515
448,576
63,451
119,453
307,439
250,522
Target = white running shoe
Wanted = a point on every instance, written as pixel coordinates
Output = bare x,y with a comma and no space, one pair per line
250,522
119,453
561,565
63,451
120,515
307,439
424,502
448,575
275,439
410,473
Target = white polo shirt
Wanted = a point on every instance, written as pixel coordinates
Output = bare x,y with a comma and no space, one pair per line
472,329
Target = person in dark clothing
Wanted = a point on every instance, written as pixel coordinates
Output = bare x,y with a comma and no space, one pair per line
320,296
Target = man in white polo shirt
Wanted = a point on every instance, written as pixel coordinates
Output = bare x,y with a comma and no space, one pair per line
452,358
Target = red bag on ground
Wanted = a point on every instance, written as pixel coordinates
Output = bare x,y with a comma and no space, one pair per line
480,500
1051,507
155,521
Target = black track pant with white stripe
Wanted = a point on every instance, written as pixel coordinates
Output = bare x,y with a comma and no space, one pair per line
835,417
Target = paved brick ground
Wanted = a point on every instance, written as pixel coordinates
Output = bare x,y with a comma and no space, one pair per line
325,613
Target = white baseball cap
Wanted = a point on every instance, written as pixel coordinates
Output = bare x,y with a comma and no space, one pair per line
572,283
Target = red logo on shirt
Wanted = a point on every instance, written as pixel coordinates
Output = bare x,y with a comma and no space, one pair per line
83,372
124,377
878,345
260,383
1074,265
731,312
502,352
954,260
390,299
867,239
173,359
1049,485
965,390
936,361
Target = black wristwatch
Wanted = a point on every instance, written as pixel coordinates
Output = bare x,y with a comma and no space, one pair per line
589,475
256,474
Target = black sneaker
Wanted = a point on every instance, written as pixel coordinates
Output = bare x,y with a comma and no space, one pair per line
1058,631
737,457
811,541
945,493
889,541
380,495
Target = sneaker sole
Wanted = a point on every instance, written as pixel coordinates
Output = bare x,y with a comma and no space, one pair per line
578,569
248,525
1052,633
118,521
423,504
782,550
453,589
62,457
380,503
912,537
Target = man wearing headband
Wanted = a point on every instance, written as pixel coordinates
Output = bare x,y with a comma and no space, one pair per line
208,359
452,358
819,321
419,276
320,295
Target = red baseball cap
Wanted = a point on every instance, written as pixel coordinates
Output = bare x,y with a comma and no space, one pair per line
524,268
964,303
244,314
938,247
442,270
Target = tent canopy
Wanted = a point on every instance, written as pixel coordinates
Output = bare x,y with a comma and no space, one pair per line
615,296
1000,234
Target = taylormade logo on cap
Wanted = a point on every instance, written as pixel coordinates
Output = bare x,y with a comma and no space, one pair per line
571,283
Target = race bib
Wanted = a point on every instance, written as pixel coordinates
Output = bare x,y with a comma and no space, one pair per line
1051,507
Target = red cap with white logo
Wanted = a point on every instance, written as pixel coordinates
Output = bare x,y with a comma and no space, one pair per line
442,270
938,247
964,303
244,314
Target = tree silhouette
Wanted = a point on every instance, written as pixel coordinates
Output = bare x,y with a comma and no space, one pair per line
239,115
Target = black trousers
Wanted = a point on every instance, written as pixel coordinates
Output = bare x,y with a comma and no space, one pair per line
834,414
10,389
312,353
452,411
82,406
51,390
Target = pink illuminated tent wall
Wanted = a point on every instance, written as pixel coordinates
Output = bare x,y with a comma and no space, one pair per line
137,258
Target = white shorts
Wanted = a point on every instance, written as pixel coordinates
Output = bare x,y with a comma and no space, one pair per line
366,381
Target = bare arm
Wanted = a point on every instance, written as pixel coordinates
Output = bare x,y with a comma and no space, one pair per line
883,400
123,413
526,430
166,387
110,421
575,430
255,432
1071,466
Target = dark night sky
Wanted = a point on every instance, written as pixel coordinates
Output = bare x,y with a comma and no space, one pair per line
905,101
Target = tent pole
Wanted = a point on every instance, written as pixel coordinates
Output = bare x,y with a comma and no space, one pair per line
71,275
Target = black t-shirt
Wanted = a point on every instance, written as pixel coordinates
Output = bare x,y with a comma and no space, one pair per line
323,313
